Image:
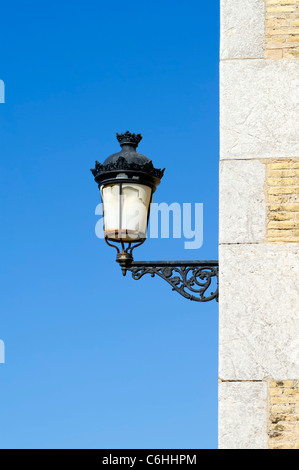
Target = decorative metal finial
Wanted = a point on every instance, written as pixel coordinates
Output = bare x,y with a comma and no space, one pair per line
128,138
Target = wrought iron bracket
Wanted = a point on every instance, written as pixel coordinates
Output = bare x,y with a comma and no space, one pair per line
194,280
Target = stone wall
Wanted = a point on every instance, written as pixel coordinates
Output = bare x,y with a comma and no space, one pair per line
258,223
282,188
282,29
284,414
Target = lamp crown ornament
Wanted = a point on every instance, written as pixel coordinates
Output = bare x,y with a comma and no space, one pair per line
129,138
129,161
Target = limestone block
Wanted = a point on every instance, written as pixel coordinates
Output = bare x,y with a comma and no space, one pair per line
243,415
259,104
242,29
258,311
242,204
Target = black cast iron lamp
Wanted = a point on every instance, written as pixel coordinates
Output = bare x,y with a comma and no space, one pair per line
127,181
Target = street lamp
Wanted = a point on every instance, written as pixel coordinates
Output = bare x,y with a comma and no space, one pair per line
127,181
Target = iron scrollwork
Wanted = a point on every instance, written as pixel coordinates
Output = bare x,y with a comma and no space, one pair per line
194,280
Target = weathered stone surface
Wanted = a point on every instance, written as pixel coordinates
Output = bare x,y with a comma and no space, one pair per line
242,205
259,311
282,32
282,198
243,415
259,104
283,406
242,29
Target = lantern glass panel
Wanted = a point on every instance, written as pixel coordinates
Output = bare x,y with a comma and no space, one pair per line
126,210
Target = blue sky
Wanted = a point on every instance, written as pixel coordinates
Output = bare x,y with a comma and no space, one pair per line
95,360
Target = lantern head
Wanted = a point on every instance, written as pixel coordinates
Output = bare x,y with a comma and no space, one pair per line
127,181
